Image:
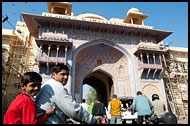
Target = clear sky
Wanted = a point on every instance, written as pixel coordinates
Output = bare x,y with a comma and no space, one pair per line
169,16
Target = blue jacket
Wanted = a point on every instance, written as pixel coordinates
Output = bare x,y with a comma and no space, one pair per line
142,105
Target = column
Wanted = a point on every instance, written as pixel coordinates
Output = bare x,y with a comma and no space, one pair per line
154,58
160,73
40,52
131,20
57,53
65,55
147,57
141,58
160,59
142,22
148,72
49,47
141,63
154,72
52,10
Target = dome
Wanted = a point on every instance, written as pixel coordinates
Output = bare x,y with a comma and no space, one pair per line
92,16
133,10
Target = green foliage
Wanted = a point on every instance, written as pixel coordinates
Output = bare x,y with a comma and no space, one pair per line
91,96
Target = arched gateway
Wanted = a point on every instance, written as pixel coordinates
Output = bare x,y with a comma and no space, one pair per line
116,56
110,76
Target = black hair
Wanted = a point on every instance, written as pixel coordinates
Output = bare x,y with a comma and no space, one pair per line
83,100
30,77
98,98
114,96
59,67
139,93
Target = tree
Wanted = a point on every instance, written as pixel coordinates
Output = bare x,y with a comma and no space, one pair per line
91,96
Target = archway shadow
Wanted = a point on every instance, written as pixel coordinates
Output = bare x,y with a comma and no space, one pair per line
102,85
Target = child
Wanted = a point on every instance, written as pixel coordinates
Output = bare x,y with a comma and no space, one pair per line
23,108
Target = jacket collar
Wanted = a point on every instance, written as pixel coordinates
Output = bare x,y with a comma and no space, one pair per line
25,93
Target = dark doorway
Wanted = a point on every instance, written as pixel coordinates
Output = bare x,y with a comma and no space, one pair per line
102,83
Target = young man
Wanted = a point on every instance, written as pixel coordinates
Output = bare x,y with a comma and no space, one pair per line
23,109
54,92
158,107
98,110
143,106
115,108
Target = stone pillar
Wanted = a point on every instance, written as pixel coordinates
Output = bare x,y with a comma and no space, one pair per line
131,20
141,58
65,55
40,52
49,48
154,58
142,22
57,53
160,59
147,57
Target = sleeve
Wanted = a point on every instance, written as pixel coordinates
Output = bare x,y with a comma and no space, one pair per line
134,104
109,108
29,113
150,104
72,109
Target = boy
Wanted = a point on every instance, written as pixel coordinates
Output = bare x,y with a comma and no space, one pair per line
23,108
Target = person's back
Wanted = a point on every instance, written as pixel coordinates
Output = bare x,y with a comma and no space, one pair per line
158,106
98,109
115,107
143,105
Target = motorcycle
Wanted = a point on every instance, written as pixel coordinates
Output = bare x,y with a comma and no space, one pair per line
167,118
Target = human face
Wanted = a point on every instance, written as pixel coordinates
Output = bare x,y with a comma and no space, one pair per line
32,88
61,77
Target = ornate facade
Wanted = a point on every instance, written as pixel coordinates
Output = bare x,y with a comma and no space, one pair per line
176,79
116,56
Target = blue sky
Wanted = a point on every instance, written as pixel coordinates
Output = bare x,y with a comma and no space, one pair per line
170,16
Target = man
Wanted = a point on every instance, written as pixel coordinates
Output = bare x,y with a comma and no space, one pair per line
98,110
143,106
115,108
158,106
84,105
53,92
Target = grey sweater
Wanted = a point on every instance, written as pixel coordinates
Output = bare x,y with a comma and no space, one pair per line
54,93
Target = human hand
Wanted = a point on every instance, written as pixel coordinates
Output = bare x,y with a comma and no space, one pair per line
50,111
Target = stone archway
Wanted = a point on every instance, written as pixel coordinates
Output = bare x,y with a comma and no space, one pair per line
107,56
102,83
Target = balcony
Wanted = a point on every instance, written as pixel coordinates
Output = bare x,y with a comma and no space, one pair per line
150,66
51,59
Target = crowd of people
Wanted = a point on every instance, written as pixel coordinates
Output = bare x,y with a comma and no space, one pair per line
51,103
